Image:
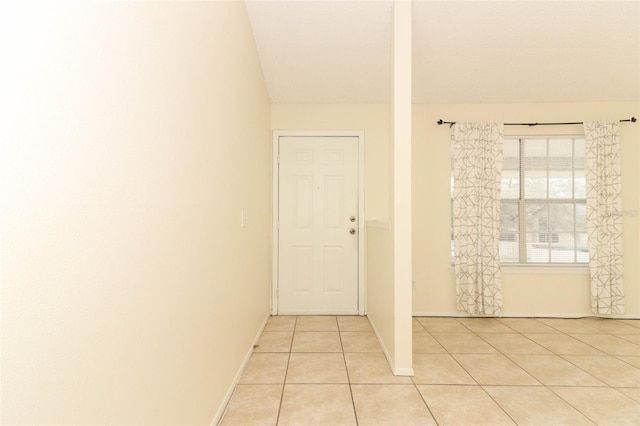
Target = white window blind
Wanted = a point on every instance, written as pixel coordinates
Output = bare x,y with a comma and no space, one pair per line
543,206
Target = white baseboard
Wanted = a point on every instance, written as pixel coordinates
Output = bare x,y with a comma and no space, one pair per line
435,314
527,315
395,371
225,402
403,372
381,343
315,313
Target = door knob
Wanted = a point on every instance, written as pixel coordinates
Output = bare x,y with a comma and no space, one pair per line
352,218
352,231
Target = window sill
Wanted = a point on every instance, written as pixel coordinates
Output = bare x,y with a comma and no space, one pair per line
546,269
555,269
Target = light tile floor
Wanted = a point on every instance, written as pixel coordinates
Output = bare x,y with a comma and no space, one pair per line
328,370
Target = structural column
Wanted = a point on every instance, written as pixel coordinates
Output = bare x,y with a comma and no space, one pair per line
401,188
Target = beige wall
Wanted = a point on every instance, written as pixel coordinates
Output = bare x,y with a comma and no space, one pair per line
524,293
135,135
380,291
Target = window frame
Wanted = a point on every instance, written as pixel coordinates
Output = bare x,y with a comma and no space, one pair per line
521,235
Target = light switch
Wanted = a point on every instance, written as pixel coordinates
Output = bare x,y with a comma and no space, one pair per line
243,219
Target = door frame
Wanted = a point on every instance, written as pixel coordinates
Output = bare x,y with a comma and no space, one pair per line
277,134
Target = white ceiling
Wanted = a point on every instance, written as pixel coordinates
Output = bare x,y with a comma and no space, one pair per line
338,51
323,51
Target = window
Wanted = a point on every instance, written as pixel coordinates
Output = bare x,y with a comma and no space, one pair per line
549,238
543,206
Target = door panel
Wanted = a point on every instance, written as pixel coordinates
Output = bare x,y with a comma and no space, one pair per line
317,254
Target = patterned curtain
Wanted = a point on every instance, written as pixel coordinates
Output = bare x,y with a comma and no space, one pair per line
477,165
604,215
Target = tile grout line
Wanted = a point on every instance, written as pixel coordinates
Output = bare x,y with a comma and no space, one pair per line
286,372
506,356
424,401
344,358
452,355
563,356
531,375
548,387
469,374
552,352
606,353
506,413
573,406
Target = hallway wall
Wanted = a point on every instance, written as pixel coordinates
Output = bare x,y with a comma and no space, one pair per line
133,135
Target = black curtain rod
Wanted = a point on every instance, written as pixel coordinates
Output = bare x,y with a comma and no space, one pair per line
451,123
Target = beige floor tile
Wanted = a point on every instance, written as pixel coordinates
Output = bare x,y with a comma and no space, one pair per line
359,341
417,331
281,323
527,325
633,360
608,369
439,369
633,393
390,405
316,341
633,323
316,405
274,341
371,368
265,368
510,343
463,343
317,323
416,326
494,369
442,325
463,405
424,343
613,326
535,406
577,371
485,325
353,323
317,368
633,338
253,405
604,406
612,345
568,325
563,344
554,370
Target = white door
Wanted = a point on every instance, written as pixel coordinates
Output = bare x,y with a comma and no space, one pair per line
318,228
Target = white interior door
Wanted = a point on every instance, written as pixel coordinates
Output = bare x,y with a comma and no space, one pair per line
318,225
